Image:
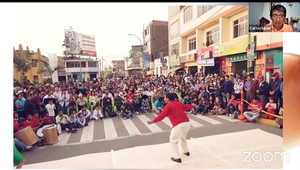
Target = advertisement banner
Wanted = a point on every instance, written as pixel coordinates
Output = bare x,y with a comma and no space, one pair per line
146,60
80,44
233,47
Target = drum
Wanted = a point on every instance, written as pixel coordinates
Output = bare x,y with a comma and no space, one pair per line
50,135
39,132
27,136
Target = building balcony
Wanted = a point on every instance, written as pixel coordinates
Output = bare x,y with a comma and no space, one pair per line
84,69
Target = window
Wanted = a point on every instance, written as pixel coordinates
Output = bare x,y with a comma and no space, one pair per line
212,37
92,64
240,27
174,29
188,14
203,9
175,49
34,63
83,64
192,44
35,78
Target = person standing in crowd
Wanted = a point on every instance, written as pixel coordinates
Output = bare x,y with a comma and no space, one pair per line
50,107
275,88
175,111
238,87
263,90
63,102
226,89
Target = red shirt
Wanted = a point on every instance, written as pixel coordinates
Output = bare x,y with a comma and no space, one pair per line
47,120
36,121
233,102
28,123
256,105
130,98
175,111
17,127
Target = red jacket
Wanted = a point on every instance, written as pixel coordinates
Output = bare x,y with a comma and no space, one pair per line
175,111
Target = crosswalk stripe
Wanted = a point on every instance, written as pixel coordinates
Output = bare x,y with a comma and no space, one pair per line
228,118
207,119
63,138
109,128
87,133
195,124
165,120
152,127
131,128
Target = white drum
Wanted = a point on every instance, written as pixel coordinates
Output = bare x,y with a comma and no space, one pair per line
39,132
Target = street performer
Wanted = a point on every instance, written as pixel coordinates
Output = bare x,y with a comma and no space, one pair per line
175,111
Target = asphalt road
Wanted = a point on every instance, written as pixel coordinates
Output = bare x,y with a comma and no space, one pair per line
125,140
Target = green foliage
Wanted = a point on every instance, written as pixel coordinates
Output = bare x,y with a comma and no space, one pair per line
36,82
48,80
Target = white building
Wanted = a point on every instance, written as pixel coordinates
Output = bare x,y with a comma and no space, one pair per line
53,64
89,68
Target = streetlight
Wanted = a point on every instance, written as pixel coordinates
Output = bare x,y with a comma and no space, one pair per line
137,37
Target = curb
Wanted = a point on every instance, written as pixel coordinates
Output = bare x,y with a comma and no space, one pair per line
267,121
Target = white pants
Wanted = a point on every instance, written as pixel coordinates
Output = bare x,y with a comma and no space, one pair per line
178,136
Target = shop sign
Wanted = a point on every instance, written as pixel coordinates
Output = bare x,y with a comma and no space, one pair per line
206,62
233,47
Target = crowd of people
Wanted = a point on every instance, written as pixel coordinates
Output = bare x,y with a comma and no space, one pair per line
73,104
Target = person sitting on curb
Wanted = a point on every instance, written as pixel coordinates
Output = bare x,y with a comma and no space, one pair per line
255,108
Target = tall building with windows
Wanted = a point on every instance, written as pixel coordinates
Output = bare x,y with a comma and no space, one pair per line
174,39
210,35
156,42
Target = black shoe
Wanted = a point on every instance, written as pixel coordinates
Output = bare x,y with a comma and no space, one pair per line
187,154
73,130
176,160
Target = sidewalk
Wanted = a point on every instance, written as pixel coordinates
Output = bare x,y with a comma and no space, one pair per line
233,150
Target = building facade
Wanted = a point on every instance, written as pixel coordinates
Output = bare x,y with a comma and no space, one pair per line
210,36
37,71
174,39
156,42
118,68
134,62
78,68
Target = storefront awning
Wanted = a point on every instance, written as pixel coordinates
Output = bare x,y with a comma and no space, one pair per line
175,69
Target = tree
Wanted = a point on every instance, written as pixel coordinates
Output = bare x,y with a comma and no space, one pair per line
22,66
45,68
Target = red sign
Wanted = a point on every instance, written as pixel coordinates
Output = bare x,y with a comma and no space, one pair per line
204,52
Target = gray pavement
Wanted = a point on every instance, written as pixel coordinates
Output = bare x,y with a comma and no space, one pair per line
106,143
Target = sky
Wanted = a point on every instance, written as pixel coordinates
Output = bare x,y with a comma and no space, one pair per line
41,25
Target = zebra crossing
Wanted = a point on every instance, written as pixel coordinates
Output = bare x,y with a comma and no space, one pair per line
116,127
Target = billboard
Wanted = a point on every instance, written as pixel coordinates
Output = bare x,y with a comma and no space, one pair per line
80,44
